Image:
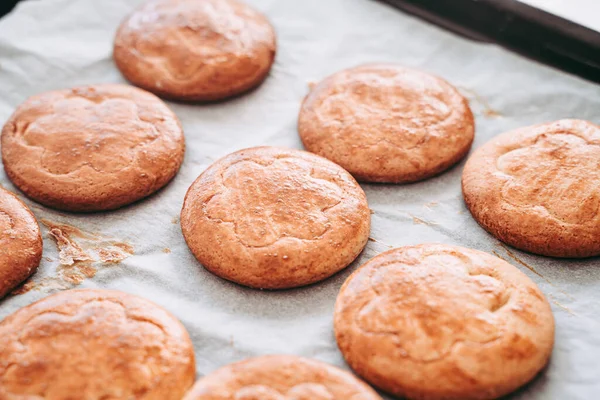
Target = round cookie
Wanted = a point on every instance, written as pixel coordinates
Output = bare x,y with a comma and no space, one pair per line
92,148
106,344
435,321
280,378
387,123
195,50
20,242
538,188
275,218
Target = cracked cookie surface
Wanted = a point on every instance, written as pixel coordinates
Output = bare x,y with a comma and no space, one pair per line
274,218
195,49
538,188
20,242
280,378
92,148
102,343
387,123
436,321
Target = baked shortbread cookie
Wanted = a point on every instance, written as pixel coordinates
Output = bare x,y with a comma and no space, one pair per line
435,321
20,242
275,218
538,188
94,344
280,378
387,123
92,148
195,50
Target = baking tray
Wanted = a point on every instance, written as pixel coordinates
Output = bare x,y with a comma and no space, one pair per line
53,44
527,30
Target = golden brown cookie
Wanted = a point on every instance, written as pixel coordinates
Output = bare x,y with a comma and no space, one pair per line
538,188
387,123
435,321
280,378
20,242
102,343
196,50
275,218
92,148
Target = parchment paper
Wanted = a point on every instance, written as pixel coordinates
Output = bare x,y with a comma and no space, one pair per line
53,44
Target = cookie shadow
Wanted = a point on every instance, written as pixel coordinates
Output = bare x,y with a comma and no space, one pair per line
282,304
537,385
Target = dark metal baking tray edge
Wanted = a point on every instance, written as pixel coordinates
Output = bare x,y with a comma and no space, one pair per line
517,26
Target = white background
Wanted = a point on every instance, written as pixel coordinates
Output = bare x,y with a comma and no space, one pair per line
584,12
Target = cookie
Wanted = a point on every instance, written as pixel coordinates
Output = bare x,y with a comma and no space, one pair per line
387,123
102,343
195,50
538,188
92,148
20,242
280,378
275,218
435,321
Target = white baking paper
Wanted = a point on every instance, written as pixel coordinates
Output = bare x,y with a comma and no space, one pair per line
53,44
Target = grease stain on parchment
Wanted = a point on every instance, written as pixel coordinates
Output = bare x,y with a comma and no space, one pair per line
431,204
420,221
518,260
529,267
80,255
48,283
563,307
498,255
486,110
69,251
379,242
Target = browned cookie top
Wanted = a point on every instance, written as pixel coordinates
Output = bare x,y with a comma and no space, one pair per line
280,378
20,242
101,343
443,322
387,123
272,218
92,148
538,188
195,49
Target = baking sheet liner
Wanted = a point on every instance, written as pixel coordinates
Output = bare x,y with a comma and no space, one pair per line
53,44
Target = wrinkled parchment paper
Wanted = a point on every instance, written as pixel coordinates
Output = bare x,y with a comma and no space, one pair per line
52,44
